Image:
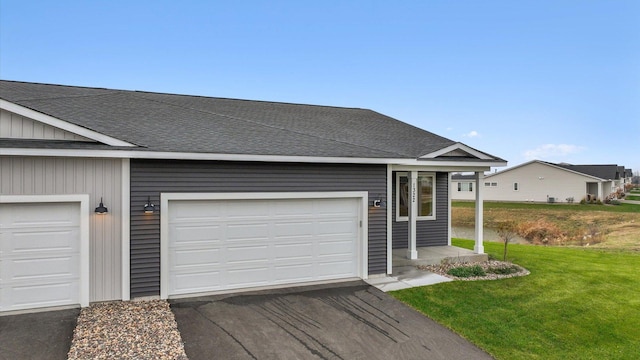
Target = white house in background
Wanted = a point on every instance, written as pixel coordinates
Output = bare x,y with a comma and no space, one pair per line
541,181
463,187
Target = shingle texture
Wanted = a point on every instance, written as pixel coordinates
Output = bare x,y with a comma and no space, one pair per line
606,172
196,124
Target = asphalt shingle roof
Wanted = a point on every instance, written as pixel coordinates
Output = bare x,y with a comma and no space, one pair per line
197,124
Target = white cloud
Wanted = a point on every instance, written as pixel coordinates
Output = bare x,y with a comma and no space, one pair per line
552,151
449,128
471,134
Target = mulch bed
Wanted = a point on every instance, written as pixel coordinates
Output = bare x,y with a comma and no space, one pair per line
127,330
442,269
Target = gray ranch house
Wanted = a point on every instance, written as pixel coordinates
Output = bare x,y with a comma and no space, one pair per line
113,194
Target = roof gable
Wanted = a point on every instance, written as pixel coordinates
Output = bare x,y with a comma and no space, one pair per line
52,127
457,150
14,126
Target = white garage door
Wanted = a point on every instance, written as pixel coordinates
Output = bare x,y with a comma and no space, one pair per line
217,245
39,255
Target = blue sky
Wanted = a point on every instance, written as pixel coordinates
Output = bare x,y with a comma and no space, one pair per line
550,80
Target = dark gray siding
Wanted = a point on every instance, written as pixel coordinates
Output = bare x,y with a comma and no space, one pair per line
429,232
152,177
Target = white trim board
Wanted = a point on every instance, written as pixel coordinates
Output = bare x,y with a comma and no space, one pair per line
85,212
165,198
428,165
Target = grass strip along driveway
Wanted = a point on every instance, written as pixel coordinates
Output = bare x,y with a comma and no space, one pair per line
576,304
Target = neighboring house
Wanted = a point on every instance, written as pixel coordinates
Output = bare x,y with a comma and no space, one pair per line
463,186
208,195
542,181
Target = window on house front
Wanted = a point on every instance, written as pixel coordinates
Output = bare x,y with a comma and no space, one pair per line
515,186
425,193
465,186
494,184
487,184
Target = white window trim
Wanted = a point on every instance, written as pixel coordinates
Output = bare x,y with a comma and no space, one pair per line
419,218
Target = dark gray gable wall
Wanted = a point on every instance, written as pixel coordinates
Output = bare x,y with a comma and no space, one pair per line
152,177
429,232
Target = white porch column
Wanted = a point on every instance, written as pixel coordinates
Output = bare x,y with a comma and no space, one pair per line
600,191
412,252
479,247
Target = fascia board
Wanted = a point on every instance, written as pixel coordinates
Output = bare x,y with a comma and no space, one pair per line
61,124
133,154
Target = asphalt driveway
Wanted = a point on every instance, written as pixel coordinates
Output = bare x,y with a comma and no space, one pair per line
42,335
342,321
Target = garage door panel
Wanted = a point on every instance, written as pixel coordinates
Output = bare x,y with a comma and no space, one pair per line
185,283
283,229
294,251
293,208
194,211
196,257
335,249
294,273
41,295
247,210
198,233
338,227
40,255
246,254
30,215
49,267
247,277
338,207
42,240
264,242
335,268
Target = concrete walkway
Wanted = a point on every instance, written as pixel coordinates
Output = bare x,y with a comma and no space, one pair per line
406,274
405,277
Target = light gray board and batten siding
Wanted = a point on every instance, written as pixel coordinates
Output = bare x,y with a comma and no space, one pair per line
96,177
14,126
429,232
153,177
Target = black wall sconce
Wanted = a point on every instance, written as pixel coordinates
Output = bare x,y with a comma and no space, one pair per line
149,208
101,209
379,202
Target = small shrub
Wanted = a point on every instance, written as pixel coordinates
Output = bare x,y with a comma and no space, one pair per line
504,270
467,271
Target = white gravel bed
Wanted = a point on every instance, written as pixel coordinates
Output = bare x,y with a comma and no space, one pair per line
442,269
127,330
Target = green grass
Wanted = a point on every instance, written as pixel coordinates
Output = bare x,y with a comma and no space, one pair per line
632,197
576,304
632,208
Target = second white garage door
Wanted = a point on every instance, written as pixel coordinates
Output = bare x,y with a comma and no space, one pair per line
217,245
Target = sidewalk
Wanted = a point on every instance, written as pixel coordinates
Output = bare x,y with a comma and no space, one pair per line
405,277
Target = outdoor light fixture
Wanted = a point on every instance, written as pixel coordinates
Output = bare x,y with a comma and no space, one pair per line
379,202
149,208
101,209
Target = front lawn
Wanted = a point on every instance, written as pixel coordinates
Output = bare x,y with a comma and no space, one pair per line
633,197
576,304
